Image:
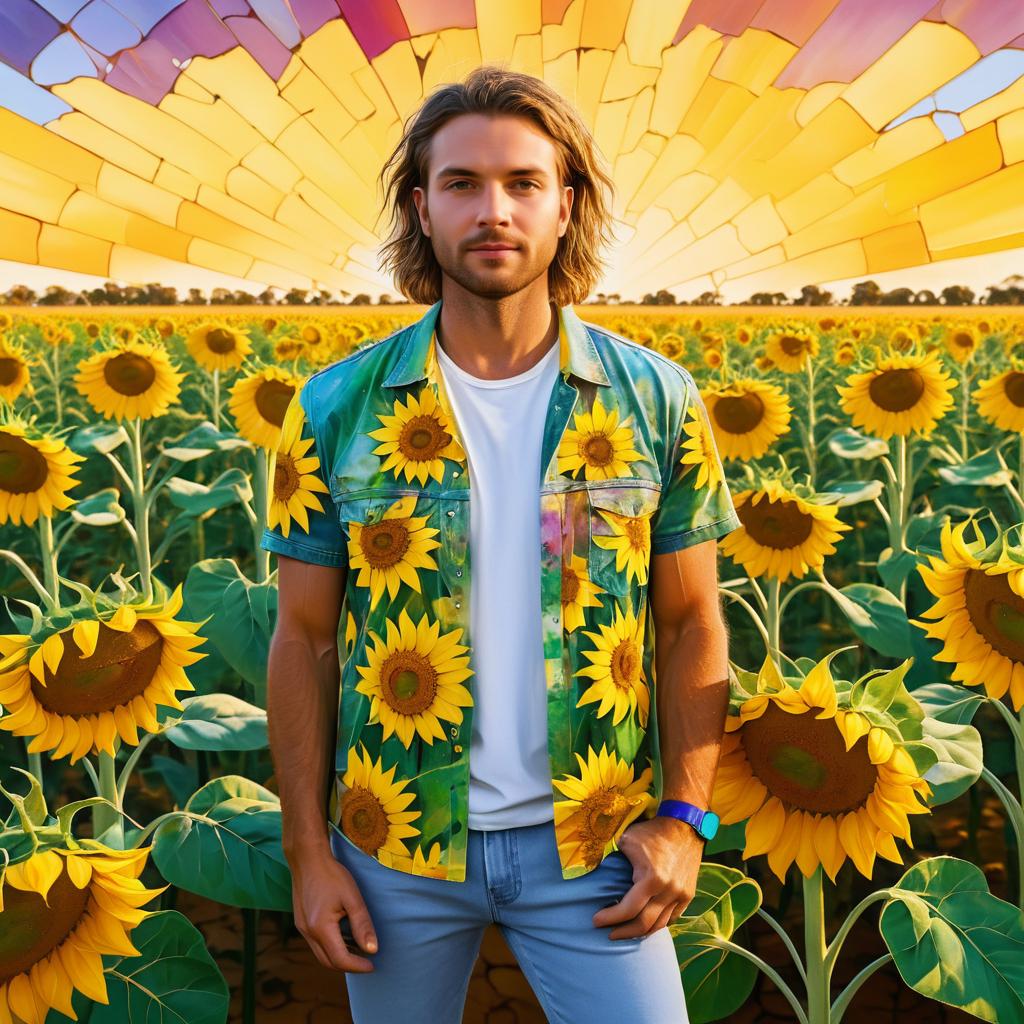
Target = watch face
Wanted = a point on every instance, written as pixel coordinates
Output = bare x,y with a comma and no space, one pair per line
709,825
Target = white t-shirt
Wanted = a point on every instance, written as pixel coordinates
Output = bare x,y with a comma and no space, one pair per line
502,428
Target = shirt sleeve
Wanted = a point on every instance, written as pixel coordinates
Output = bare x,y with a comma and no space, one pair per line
303,521
696,504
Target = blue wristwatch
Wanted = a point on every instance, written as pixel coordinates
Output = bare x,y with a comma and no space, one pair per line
704,822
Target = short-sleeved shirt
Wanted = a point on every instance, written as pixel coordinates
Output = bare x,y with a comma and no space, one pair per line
371,475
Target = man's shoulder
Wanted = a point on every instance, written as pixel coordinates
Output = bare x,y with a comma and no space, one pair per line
635,358
359,367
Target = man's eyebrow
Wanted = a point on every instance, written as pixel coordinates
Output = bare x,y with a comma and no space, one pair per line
465,172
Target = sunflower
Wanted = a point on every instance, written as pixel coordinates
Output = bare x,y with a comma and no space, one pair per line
617,669
370,808
961,341
780,533
747,417
700,450
14,369
1000,400
980,606
603,801
578,592
60,911
218,347
78,701
899,395
259,401
388,552
132,379
598,444
791,350
818,782
631,541
417,438
295,473
163,327
414,679
35,475
671,345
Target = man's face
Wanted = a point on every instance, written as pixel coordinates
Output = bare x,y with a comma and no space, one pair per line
493,180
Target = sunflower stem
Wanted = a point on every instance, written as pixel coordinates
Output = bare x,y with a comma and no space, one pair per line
965,409
105,817
814,949
29,575
733,947
216,399
141,509
843,1000
812,452
1016,815
129,765
786,941
774,617
260,496
49,559
832,952
755,618
58,412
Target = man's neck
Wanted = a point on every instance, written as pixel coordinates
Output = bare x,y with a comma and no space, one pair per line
495,340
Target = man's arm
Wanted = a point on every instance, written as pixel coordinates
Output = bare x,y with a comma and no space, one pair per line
692,669
302,699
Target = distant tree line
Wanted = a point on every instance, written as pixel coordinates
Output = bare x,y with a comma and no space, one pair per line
865,293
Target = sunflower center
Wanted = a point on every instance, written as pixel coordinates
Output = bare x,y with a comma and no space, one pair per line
129,373
776,524
804,762
286,477
603,813
363,819
272,398
739,414
23,468
963,340
120,668
385,543
597,450
897,390
410,682
792,345
9,370
423,438
570,586
996,612
32,929
637,531
220,341
626,665
1013,387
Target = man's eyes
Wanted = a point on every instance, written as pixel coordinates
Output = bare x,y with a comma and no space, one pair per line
522,181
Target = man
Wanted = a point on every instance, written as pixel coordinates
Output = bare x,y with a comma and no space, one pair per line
512,504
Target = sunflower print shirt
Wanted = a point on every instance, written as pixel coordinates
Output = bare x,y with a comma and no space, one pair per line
370,474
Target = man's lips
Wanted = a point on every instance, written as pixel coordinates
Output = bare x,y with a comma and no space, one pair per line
492,248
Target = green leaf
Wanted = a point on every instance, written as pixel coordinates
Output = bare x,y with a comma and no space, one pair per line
876,616
197,499
240,613
960,755
849,492
219,721
100,437
100,509
848,443
30,810
717,982
982,470
948,702
173,978
201,441
228,847
953,941
894,569
879,689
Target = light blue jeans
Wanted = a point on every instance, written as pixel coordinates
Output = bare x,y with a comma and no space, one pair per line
429,932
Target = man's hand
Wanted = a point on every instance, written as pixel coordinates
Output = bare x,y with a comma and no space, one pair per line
666,854
323,892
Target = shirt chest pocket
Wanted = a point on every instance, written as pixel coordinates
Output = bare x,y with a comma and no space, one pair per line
393,540
620,534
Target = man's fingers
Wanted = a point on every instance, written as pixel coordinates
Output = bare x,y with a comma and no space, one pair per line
328,935
626,909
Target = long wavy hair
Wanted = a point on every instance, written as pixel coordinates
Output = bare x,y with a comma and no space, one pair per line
490,89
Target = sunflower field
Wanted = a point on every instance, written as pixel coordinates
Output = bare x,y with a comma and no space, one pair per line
876,461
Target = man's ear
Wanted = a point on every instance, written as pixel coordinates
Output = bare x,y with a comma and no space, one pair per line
568,213
421,209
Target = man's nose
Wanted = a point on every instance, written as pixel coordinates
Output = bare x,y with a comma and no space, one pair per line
494,204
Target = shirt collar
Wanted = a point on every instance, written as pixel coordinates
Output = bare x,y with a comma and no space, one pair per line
579,355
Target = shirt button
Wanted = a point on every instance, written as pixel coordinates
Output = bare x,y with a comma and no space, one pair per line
458,604
458,572
451,512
